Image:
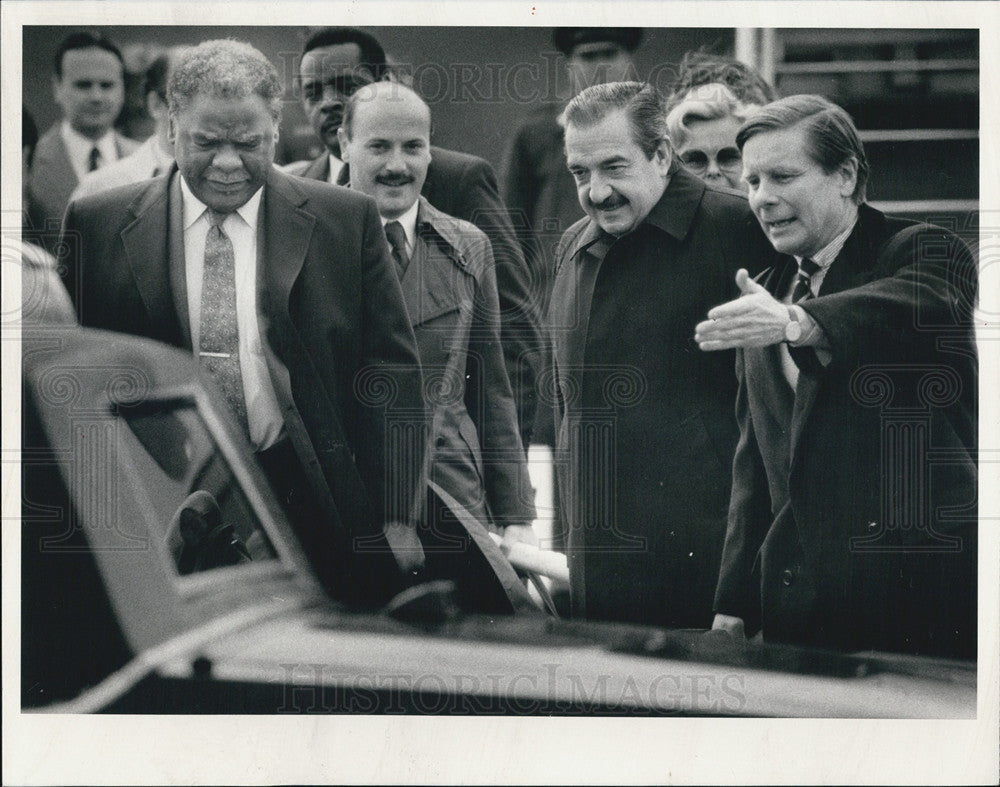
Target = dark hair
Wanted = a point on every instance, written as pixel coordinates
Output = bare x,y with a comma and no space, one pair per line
156,77
372,53
85,41
831,136
567,39
643,106
700,68
29,133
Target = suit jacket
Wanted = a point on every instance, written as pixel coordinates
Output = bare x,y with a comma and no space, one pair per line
52,180
450,293
465,187
645,428
853,516
339,347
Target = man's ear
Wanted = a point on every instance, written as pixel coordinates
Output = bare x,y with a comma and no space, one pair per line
848,172
343,139
663,155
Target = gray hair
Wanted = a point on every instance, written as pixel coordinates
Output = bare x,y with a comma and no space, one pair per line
641,102
226,69
702,110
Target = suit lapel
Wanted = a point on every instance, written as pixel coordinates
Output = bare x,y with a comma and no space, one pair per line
146,245
319,168
178,271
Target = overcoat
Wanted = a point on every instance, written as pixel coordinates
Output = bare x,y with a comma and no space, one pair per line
645,423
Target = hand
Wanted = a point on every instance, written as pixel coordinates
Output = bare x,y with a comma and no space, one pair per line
731,625
519,534
755,319
405,546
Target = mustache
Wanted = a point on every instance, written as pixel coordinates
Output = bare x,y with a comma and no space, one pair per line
394,180
612,202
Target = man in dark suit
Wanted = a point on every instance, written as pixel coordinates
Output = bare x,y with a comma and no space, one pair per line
335,63
285,290
89,88
445,267
645,429
852,523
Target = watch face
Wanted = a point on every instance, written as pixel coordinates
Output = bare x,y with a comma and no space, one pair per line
793,331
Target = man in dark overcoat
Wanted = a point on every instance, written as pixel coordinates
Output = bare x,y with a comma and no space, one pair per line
645,426
853,516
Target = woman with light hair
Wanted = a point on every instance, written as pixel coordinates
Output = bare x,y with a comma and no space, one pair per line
702,130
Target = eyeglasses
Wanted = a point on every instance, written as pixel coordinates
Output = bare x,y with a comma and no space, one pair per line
728,159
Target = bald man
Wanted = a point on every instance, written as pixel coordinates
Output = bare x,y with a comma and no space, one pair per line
445,267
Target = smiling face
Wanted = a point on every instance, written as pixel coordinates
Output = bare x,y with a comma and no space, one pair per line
91,91
224,148
800,207
616,183
328,76
389,146
709,151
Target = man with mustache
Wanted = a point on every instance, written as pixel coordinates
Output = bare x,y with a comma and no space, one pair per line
645,426
445,267
336,61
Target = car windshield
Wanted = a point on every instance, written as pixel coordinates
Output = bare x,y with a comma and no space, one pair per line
182,484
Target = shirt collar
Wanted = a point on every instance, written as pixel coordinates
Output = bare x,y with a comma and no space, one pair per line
80,146
825,256
194,208
336,165
409,222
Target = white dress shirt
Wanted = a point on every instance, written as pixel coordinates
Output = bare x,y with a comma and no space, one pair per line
263,412
335,166
78,149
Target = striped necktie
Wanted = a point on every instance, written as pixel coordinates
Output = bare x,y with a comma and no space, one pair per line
803,282
94,160
219,345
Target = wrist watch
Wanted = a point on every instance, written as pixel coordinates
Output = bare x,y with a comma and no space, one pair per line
793,328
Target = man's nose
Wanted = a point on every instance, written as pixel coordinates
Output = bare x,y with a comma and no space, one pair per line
333,99
761,195
599,189
227,158
396,162
713,171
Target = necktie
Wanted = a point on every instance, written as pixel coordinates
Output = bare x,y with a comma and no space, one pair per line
94,160
803,282
397,239
219,336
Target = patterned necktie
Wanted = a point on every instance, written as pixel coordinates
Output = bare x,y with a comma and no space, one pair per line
94,160
219,348
803,282
397,239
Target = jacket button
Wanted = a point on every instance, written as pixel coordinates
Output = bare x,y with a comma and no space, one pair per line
440,442
787,577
